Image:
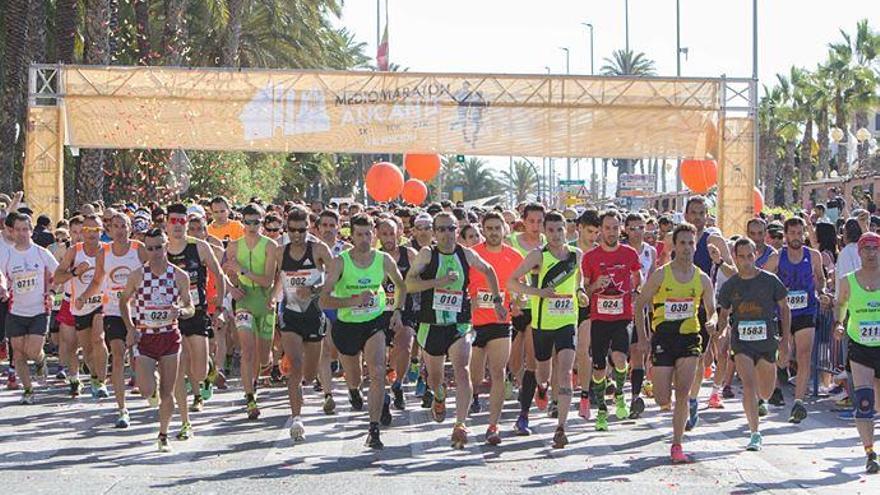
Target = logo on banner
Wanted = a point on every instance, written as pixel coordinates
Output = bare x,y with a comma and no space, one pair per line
287,112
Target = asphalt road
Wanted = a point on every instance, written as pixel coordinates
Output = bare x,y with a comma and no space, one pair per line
69,447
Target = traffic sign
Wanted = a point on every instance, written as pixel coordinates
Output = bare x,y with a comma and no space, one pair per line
572,182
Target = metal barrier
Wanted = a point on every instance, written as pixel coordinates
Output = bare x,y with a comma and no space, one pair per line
829,354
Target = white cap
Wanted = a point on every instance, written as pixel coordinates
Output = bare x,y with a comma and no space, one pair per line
195,210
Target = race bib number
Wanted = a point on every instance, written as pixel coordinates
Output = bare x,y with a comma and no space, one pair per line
116,293
368,308
244,320
92,303
484,299
156,316
752,330
24,282
869,332
797,299
194,296
294,280
679,309
57,299
609,305
559,306
448,300
389,300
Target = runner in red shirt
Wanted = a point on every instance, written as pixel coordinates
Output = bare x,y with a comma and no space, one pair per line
611,272
492,333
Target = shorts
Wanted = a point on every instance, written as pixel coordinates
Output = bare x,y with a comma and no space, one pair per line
408,318
669,347
53,322
114,328
157,345
605,335
199,324
350,338
522,321
546,341
64,317
84,322
4,310
801,322
330,314
753,352
583,314
311,325
864,355
256,303
487,333
21,326
437,339
704,334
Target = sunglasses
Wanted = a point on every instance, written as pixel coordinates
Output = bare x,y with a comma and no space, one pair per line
176,221
272,229
91,229
155,248
423,227
252,222
297,230
446,228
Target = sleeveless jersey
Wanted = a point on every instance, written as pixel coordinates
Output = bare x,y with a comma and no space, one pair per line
798,279
153,302
253,260
388,285
556,312
81,282
675,304
116,272
355,280
448,305
300,273
863,326
189,261
762,260
701,254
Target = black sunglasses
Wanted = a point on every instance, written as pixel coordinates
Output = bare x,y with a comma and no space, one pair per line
272,229
251,222
297,230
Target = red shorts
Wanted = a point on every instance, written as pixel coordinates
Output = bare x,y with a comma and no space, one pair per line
64,317
158,345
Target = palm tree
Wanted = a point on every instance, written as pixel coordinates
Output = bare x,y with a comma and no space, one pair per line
66,15
522,181
232,43
14,102
174,35
477,179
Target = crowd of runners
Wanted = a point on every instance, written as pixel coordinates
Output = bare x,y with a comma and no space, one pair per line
554,309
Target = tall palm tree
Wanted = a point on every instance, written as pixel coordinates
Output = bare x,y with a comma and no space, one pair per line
232,42
477,179
14,101
174,34
523,181
66,15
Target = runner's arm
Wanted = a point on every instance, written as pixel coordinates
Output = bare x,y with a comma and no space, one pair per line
206,253
186,308
818,274
327,299
644,299
98,280
64,271
393,273
416,284
841,301
709,300
784,318
515,284
719,243
486,269
134,281
772,262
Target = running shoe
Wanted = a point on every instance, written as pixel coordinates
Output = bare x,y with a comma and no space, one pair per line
390,375
762,409
386,418
492,436
153,400
421,387
678,456
75,387
41,371
553,409
12,381
559,438
220,382
756,442
206,391
373,440
508,389
123,419
62,374
610,389
355,399
318,386
275,374
602,420
427,399
438,410
621,410
459,435
475,406
847,415
253,411
727,392
186,432
329,404
412,373
336,369
715,401
521,427
693,415
777,399
541,399
198,404
164,446
399,401
584,408
636,408
844,403
798,413
27,398
297,430
871,465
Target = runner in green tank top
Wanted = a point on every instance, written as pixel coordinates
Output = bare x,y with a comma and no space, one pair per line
251,263
554,314
441,274
354,287
859,294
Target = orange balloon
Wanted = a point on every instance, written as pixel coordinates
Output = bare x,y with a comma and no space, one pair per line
415,192
384,181
757,200
699,175
422,166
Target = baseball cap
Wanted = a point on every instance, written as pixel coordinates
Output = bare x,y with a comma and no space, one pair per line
423,218
869,239
140,224
195,210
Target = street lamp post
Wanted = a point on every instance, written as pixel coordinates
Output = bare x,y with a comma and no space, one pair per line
587,24
567,71
626,21
594,191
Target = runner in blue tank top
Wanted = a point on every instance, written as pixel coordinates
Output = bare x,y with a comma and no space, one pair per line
800,270
756,229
